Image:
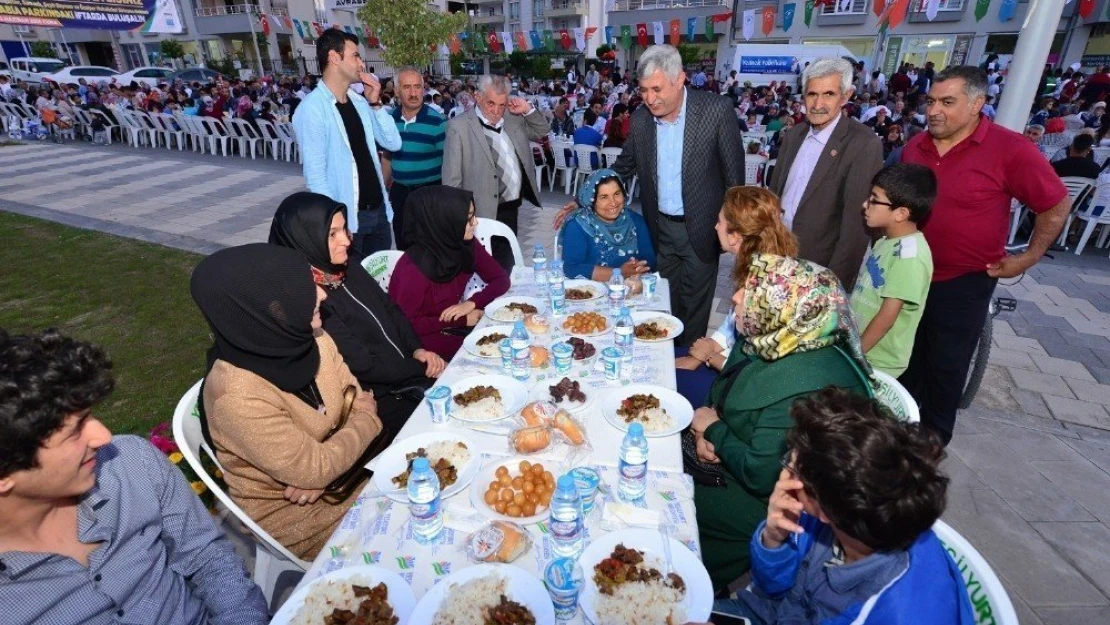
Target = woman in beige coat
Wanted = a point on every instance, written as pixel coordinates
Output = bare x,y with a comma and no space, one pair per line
274,393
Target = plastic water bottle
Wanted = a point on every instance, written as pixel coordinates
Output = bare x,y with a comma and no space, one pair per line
616,293
632,482
623,337
566,518
522,352
556,288
424,505
539,265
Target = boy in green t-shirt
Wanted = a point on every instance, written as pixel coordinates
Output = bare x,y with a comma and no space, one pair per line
889,297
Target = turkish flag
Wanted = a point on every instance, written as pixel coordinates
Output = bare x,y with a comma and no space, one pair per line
453,44
878,6
521,41
676,36
288,22
768,20
898,12
1086,7
494,44
318,28
724,17
564,36
265,24
590,31
641,34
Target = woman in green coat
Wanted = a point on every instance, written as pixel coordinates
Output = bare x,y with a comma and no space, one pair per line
796,336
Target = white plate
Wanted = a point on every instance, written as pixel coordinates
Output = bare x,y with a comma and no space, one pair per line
470,343
523,587
608,326
513,394
391,463
400,595
673,324
481,484
541,392
677,406
698,601
598,288
501,314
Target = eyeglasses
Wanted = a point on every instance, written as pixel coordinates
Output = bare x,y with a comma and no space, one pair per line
872,201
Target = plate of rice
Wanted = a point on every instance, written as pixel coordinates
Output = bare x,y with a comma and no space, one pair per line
467,596
369,590
484,398
656,327
460,457
512,308
486,343
661,411
653,599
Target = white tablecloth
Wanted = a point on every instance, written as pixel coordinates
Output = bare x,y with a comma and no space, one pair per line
377,530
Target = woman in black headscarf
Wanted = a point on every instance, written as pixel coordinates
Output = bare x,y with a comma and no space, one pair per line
376,340
273,395
429,281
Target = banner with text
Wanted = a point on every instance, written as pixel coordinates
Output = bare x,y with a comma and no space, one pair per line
149,16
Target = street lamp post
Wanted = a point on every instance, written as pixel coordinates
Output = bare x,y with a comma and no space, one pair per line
1033,44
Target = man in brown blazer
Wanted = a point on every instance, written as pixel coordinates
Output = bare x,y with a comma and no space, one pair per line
824,172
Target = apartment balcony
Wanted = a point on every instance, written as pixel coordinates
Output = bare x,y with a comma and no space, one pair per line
567,8
651,5
487,18
497,2
235,19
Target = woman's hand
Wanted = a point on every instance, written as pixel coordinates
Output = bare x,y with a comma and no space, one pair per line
704,347
473,317
633,267
457,311
783,511
365,402
703,418
688,363
301,497
434,364
706,451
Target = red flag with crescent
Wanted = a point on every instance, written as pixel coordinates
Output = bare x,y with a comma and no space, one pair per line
494,44
265,22
768,20
641,34
564,36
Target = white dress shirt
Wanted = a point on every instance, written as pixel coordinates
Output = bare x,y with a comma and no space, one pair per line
802,170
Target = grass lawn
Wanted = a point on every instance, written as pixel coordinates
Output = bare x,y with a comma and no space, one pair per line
132,298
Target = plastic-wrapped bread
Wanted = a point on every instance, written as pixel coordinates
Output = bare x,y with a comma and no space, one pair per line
569,427
538,413
530,440
498,541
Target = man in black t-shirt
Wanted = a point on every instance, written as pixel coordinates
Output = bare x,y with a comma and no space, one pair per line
1079,161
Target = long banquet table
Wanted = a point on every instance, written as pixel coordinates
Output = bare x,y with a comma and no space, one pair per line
376,529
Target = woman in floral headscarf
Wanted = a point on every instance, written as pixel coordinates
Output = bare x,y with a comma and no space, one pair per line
796,337
603,234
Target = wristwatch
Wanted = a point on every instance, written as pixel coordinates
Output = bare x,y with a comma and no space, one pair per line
375,104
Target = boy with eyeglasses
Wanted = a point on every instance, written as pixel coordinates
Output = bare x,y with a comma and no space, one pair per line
893,283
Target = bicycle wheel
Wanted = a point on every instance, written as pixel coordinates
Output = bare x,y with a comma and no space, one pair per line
978,366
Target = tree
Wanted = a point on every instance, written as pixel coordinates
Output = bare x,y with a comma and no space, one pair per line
690,55
409,30
43,49
171,49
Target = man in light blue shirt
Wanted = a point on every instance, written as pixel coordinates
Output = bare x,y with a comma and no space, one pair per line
339,133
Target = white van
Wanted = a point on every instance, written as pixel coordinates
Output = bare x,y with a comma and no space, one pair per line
32,68
762,63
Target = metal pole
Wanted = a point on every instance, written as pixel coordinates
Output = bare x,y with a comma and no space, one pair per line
1033,45
26,50
254,40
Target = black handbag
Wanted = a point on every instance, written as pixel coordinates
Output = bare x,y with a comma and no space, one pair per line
707,473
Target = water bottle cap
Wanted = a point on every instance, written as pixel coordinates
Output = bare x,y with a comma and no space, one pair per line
421,464
566,482
624,311
636,429
519,324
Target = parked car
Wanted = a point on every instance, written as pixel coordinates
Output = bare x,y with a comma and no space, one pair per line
195,74
91,73
151,76
5,70
31,69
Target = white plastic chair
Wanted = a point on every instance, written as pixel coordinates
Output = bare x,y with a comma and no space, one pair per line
271,138
170,131
759,137
218,134
1079,192
1100,155
896,398
149,128
489,228
559,151
245,136
539,159
380,266
109,125
584,156
289,140
271,558
474,285
130,130
1057,139
609,156
988,597
754,166
1094,216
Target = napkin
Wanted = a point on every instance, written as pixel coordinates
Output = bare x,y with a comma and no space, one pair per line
616,513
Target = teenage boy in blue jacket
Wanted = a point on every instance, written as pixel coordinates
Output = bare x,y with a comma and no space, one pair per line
847,537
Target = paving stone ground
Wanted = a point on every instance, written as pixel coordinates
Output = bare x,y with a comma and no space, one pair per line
1030,461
